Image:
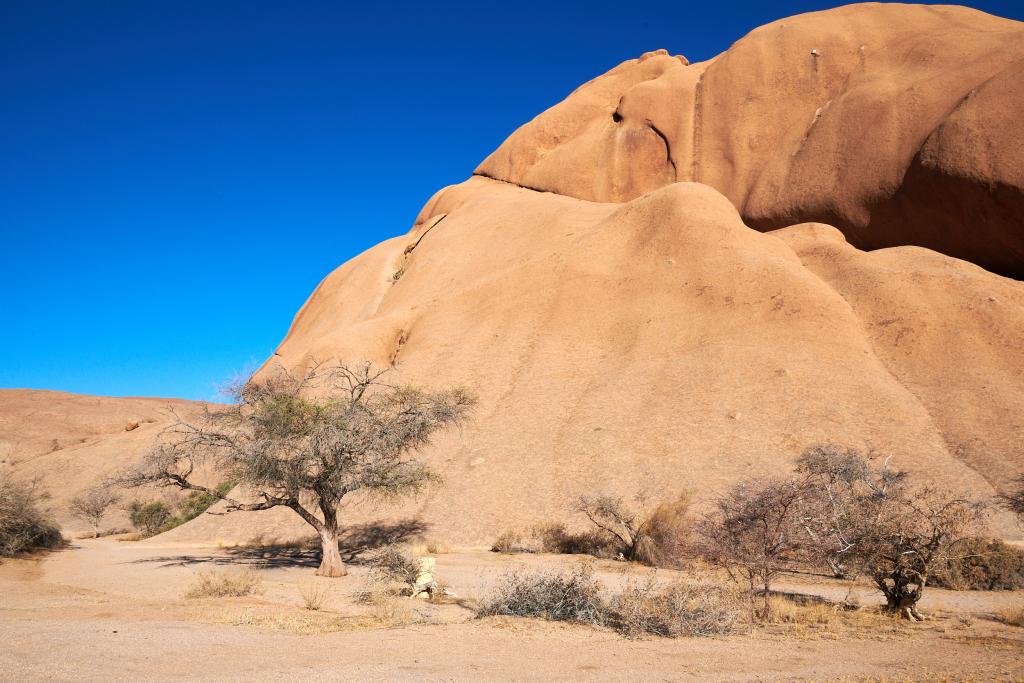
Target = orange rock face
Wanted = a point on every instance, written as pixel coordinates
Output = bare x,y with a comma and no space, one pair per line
644,294
898,124
661,344
641,287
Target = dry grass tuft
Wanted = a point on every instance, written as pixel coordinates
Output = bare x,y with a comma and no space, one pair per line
1013,616
437,547
230,583
314,594
817,619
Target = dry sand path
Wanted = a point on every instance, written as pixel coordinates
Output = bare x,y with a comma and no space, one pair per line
109,611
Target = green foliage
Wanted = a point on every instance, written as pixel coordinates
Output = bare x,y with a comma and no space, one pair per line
149,518
196,503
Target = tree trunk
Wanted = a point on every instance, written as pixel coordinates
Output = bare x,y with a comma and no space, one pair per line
331,563
900,598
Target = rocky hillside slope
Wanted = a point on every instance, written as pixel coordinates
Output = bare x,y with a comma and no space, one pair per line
70,442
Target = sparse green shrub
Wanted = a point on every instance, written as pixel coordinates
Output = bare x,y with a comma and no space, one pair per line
678,609
23,525
230,583
984,564
196,503
573,595
149,518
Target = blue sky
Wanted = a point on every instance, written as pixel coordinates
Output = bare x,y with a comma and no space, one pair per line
176,177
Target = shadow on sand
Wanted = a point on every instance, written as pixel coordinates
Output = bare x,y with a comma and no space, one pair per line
354,544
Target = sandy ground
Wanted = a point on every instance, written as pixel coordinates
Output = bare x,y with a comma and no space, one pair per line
113,611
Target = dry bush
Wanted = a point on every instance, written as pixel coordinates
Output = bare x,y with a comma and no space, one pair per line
1014,616
550,537
509,541
816,617
230,583
437,547
656,537
91,506
314,595
678,609
983,564
573,595
394,564
755,533
665,540
24,526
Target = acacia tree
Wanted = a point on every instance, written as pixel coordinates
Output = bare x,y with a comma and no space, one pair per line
883,526
91,506
307,443
757,531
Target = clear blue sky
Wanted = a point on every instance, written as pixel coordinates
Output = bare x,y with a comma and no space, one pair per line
176,177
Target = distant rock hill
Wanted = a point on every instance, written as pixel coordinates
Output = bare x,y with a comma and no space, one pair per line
69,442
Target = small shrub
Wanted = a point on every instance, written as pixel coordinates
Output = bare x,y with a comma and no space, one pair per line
666,534
149,518
510,541
981,564
679,609
393,564
436,547
23,525
231,583
91,506
314,594
553,537
550,537
656,537
573,596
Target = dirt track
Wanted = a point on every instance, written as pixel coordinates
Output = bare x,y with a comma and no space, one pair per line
105,610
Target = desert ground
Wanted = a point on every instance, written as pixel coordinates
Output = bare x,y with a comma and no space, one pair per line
107,610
